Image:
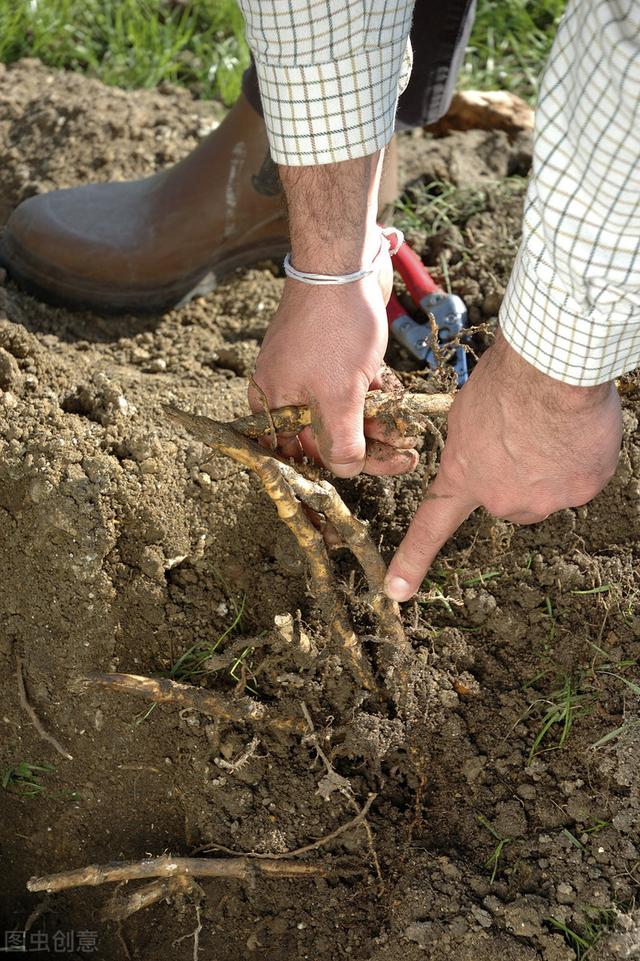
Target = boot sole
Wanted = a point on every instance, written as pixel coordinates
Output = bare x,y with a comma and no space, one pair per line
76,293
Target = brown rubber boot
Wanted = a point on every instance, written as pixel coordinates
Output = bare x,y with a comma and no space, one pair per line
147,246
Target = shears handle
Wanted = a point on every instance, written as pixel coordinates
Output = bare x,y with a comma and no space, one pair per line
419,281
395,310
446,310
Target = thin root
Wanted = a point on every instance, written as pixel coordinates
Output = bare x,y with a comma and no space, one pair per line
312,846
273,432
35,720
344,786
195,934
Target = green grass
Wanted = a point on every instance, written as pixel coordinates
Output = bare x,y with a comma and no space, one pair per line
431,593
603,589
495,858
482,578
199,660
432,589
574,696
25,778
622,730
562,707
193,663
509,45
132,43
597,922
615,670
200,43
439,205
429,208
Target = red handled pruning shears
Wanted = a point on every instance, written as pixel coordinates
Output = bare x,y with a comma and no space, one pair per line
448,311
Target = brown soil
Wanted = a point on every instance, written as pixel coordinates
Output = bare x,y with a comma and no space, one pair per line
124,544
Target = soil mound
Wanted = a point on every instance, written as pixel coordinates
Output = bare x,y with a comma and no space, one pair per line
506,817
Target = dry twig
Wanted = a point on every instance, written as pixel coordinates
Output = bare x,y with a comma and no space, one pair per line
241,869
35,720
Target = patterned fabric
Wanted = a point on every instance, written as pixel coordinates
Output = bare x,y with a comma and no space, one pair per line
572,307
330,72
439,37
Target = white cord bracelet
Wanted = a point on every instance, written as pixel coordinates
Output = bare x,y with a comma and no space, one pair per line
326,280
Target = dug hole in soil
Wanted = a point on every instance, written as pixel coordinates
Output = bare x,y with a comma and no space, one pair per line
124,544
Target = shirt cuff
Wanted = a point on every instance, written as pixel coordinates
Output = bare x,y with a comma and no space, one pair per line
335,111
570,340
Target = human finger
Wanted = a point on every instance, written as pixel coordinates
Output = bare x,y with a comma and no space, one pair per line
378,430
439,515
338,426
384,460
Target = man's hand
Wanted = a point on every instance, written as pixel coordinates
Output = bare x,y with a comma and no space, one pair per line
325,345
520,444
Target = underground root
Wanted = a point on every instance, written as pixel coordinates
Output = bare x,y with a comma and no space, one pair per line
164,690
241,869
121,907
223,438
322,497
289,489
33,717
407,413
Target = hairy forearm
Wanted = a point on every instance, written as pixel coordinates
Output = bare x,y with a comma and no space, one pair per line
515,376
332,214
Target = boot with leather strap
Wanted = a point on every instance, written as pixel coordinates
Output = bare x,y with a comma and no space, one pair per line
147,246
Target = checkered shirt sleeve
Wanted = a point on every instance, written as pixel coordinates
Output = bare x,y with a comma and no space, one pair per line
572,306
330,73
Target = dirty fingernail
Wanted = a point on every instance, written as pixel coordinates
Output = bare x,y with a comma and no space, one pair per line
397,588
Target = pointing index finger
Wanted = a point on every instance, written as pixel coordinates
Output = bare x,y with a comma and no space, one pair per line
439,515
